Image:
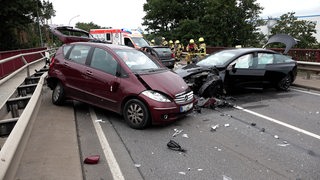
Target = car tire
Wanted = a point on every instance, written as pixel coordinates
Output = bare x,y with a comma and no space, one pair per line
136,114
58,94
284,83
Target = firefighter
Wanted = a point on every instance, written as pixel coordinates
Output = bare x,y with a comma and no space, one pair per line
171,45
152,42
202,48
178,48
192,49
164,42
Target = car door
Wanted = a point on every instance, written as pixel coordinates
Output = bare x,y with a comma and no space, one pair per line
103,84
245,72
73,70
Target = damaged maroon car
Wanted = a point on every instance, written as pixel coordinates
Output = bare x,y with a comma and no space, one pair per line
120,79
243,68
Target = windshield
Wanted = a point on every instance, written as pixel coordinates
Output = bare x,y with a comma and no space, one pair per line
139,41
217,59
137,60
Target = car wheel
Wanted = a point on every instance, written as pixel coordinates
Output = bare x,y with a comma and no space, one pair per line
58,94
136,114
284,83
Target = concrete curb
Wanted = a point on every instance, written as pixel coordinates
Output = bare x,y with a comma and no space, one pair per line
306,87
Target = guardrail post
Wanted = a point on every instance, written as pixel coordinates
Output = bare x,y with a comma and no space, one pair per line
25,62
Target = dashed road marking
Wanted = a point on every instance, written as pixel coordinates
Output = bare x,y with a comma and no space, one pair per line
111,160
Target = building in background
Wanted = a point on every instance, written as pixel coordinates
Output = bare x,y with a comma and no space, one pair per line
271,22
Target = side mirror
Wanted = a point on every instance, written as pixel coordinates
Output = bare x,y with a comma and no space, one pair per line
232,67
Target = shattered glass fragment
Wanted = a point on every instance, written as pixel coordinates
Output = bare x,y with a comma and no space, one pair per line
185,135
214,128
177,132
283,145
224,177
99,120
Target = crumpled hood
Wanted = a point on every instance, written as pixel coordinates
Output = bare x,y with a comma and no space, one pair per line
167,82
189,70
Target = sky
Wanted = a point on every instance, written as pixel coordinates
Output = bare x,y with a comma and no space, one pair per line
129,13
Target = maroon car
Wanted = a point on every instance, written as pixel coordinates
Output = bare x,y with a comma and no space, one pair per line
120,79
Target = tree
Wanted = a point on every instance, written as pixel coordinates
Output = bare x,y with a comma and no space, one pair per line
300,29
22,21
87,26
221,23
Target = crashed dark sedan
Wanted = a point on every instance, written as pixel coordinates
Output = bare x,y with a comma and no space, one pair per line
244,68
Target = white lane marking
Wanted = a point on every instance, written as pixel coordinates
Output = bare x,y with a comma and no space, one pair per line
307,92
111,160
280,122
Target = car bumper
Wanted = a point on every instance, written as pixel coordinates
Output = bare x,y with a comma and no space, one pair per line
168,63
162,113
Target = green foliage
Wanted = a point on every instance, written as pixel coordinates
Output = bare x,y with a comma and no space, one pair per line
22,23
300,29
220,22
87,26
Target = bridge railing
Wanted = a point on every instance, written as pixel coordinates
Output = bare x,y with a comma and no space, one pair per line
308,55
16,63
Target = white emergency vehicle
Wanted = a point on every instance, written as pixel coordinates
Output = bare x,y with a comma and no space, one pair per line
127,37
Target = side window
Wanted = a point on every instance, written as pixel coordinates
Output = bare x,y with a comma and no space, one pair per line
104,61
79,53
279,58
244,61
264,59
66,49
128,42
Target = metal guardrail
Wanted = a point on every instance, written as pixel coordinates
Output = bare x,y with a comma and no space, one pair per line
12,150
309,67
45,55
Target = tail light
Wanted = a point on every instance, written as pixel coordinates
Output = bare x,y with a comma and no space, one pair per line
52,61
172,55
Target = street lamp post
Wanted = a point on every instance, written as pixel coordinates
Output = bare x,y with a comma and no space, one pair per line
73,18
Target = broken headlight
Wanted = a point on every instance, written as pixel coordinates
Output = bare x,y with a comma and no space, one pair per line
156,96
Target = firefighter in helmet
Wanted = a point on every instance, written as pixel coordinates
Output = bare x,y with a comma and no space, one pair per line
164,42
178,48
202,48
152,42
192,50
171,45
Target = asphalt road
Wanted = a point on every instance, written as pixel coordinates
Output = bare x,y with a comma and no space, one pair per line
269,135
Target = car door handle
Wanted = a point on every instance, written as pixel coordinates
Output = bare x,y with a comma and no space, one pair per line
89,73
66,64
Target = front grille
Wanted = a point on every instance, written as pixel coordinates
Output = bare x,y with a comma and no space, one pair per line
183,97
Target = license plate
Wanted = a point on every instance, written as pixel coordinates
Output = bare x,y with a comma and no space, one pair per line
186,107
